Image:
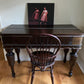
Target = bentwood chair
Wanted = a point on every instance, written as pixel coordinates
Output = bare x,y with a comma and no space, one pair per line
42,50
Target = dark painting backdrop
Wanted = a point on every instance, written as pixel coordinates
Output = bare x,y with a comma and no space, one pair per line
37,9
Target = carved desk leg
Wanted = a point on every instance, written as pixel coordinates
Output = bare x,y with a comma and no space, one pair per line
65,54
10,58
17,52
73,57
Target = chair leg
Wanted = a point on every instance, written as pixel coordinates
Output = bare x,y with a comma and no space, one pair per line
33,72
51,72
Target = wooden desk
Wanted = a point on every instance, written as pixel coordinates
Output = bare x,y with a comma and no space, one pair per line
15,37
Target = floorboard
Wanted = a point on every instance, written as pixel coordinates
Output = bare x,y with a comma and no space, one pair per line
23,74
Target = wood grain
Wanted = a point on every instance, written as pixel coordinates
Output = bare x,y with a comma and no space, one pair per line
1,51
23,74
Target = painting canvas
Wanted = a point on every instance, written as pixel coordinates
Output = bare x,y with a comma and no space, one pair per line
40,13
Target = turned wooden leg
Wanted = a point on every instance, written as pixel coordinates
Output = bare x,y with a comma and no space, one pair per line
73,57
65,54
10,58
33,72
51,72
17,52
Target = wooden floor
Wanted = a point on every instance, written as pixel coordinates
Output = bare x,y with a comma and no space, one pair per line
23,74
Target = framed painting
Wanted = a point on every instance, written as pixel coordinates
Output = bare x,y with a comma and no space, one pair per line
41,13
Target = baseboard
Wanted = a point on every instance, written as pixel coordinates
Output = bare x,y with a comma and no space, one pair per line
0,29
80,62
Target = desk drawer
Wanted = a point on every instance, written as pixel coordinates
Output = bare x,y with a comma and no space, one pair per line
21,41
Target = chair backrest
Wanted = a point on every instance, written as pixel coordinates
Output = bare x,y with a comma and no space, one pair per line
43,43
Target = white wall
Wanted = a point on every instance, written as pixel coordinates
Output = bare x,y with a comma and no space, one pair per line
77,18
15,11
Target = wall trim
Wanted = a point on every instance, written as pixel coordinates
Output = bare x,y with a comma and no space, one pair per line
80,62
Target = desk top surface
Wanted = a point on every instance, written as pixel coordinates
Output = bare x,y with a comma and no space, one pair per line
55,29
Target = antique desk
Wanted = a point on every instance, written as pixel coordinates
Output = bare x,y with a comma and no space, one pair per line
15,37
